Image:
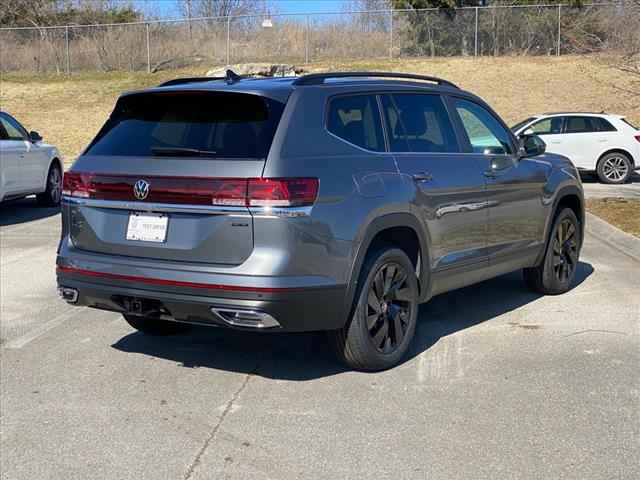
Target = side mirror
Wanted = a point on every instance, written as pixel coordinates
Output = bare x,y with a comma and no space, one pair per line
35,137
531,146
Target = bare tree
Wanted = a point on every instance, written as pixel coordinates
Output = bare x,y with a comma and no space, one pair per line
221,8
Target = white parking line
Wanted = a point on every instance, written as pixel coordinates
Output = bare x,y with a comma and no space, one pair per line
29,337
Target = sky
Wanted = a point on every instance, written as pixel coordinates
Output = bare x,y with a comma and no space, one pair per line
170,8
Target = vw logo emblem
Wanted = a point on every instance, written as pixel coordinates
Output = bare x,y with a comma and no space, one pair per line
141,189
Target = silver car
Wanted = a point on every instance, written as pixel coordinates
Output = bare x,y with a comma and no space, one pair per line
334,202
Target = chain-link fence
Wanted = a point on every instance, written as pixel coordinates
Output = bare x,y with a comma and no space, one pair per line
305,38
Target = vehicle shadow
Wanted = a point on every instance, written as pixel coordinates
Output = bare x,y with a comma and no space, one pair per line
593,178
305,356
24,210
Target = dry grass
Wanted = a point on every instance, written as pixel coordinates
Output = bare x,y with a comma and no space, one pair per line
69,111
623,213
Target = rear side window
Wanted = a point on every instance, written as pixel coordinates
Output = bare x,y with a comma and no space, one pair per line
418,123
604,125
548,126
214,124
356,119
581,125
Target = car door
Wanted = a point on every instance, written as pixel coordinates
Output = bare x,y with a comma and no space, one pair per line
13,149
449,192
582,141
33,163
514,186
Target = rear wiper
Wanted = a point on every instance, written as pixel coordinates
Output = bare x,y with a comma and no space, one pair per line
182,152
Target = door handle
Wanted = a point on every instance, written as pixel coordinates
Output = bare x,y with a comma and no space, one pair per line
422,177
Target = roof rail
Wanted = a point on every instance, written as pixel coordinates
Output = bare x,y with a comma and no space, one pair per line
319,78
231,77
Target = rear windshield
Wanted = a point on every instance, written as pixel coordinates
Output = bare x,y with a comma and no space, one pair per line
211,124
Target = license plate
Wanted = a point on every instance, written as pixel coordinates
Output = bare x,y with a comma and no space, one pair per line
147,227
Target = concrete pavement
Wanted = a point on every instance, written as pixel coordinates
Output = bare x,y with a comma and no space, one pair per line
594,189
501,383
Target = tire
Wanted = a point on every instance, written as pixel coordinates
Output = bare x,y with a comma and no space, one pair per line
51,196
615,168
385,311
154,326
557,270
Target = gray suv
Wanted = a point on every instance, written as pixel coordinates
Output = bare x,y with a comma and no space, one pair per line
334,202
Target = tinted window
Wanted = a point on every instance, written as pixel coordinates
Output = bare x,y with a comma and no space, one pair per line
581,125
486,134
215,124
604,125
13,129
418,123
356,119
548,126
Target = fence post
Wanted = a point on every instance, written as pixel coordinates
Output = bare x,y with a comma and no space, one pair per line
306,42
558,47
148,50
391,34
66,45
475,36
228,39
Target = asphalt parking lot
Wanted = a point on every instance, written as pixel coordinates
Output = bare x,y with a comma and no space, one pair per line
501,383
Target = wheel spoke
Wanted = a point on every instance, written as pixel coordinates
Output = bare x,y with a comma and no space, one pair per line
398,332
389,274
381,335
378,284
372,320
373,301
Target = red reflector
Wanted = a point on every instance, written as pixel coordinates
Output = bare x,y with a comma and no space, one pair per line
282,192
275,192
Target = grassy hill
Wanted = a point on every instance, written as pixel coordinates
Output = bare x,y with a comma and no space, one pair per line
68,111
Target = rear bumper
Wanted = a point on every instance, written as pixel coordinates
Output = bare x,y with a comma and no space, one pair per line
304,307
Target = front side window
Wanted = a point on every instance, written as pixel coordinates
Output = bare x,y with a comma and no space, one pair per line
356,119
548,126
486,134
418,123
13,129
521,124
580,125
211,124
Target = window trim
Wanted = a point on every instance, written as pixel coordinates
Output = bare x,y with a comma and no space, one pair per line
453,98
325,123
444,100
22,130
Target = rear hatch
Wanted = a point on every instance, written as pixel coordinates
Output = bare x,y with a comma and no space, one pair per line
167,177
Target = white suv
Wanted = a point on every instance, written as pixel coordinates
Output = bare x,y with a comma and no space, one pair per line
600,142
27,164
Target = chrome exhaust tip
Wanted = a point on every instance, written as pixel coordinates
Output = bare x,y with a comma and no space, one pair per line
69,295
245,318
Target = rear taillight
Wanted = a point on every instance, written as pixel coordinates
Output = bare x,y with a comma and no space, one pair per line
252,192
282,192
637,137
76,184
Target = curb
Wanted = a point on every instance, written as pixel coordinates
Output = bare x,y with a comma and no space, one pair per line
613,236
